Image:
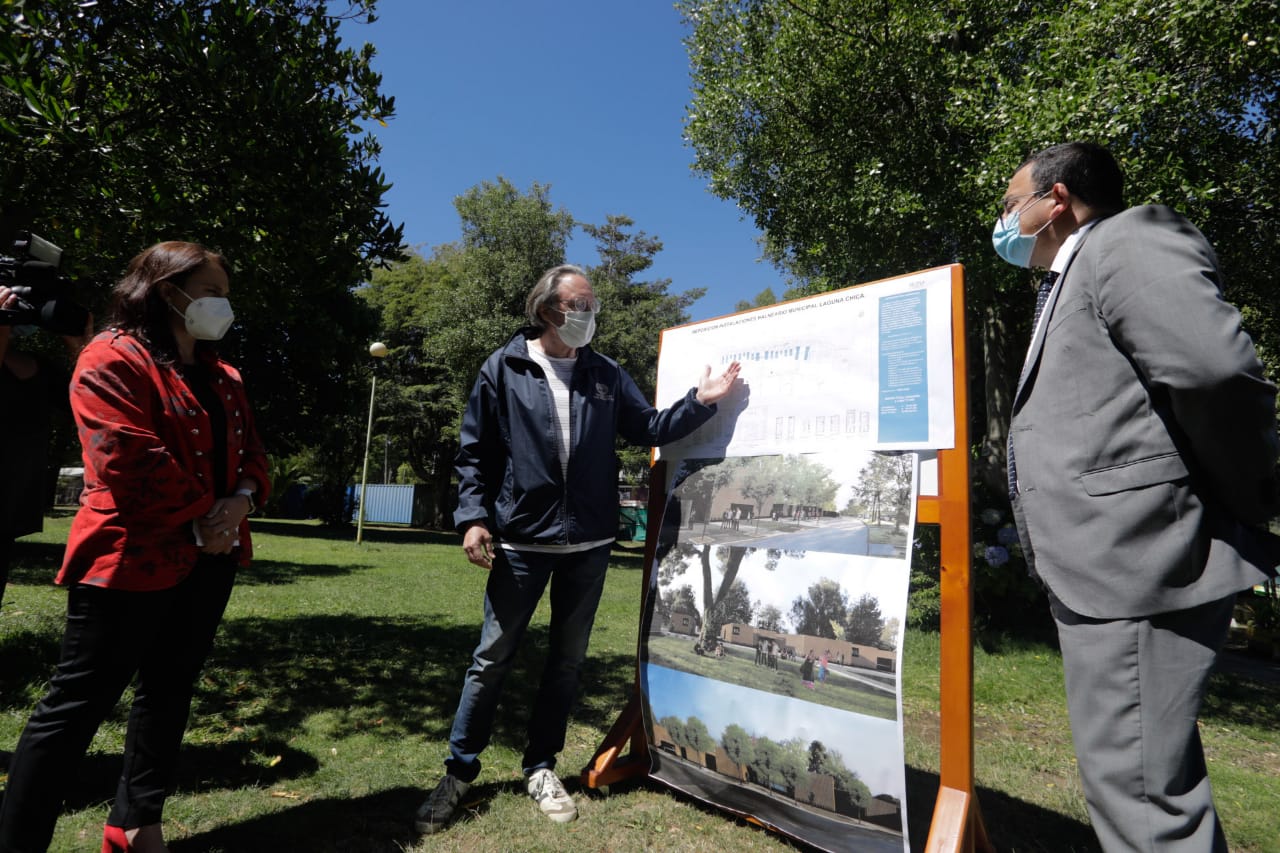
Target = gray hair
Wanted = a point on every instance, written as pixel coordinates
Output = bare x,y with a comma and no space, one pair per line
547,292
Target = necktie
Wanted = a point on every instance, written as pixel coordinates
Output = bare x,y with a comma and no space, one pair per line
1042,296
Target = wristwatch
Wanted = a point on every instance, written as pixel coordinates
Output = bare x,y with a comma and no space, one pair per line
248,493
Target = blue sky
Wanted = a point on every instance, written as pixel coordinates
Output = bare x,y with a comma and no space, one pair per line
587,96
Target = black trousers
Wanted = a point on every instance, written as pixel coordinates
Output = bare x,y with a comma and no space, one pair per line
163,637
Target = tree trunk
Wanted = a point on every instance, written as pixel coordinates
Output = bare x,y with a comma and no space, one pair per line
999,373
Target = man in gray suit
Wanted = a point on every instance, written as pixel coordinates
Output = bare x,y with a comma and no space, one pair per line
1142,455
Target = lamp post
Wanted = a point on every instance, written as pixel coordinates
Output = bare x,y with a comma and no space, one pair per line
377,350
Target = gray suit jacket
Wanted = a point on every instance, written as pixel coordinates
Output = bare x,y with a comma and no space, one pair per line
1143,430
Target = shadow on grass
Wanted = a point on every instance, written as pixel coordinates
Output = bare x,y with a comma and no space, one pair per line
201,768
1011,824
277,573
391,675
1242,698
378,823
385,677
627,556
26,658
35,563
347,533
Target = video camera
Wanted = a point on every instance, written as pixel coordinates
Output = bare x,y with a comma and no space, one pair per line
44,294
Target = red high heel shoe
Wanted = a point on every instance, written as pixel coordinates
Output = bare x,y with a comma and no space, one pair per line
114,840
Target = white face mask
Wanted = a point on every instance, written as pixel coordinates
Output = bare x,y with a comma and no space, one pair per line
208,317
578,329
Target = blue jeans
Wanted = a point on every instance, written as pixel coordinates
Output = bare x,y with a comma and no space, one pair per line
516,583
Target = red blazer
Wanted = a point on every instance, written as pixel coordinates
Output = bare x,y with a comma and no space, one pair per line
148,466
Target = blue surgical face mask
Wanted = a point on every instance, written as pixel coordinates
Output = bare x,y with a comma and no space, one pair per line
1009,241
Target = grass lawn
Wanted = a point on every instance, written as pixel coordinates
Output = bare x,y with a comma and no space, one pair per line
321,720
887,534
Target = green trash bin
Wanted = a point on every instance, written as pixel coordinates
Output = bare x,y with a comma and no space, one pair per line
632,523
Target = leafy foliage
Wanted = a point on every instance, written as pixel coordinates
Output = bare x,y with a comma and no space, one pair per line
733,607
697,736
633,314
824,609
884,488
829,761
444,314
869,139
679,600
236,124
864,622
768,617
738,744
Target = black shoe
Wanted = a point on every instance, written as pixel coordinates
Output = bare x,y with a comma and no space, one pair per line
441,807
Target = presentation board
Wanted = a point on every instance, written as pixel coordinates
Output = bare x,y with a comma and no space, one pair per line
866,366
770,661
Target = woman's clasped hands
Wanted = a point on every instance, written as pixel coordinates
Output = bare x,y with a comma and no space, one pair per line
219,528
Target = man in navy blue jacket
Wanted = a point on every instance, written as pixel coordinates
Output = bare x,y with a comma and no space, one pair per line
538,503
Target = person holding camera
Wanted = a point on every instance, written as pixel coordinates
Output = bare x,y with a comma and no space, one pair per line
33,390
173,468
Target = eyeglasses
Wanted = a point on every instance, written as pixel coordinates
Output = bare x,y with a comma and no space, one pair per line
579,303
1017,202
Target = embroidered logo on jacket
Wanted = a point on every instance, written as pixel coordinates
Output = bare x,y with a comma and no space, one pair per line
603,393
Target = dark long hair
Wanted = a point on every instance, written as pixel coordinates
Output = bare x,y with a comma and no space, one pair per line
137,305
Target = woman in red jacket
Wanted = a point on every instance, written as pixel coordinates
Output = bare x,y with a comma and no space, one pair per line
173,467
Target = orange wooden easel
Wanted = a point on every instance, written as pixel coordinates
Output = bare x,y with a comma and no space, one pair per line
957,819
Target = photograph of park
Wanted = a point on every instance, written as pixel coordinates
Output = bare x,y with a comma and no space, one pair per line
818,774
771,640
822,628
856,502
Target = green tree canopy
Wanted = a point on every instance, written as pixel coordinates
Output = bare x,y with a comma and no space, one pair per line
793,762
442,315
829,762
236,124
869,139
733,606
761,480
767,763
633,313
768,617
681,600
864,623
738,745
762,299
698,737
805,482
824,608
445,313
675,727
884,488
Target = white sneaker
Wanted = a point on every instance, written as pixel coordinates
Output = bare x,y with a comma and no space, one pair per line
549,793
